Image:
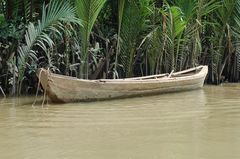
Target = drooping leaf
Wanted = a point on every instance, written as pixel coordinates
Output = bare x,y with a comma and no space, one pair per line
52,15
87,11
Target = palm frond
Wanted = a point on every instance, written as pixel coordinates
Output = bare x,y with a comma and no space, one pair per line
187,7
154,44
132,19
88,11
121,4
27,4
53,15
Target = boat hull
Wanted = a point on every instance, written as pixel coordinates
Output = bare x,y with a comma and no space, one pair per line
68,89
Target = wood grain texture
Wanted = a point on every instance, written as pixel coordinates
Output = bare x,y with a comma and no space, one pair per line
70,89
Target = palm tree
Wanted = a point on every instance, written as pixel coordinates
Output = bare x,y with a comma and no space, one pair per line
53,16
87,11
131,18
225,40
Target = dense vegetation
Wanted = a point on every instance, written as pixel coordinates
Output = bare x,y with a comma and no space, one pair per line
116,38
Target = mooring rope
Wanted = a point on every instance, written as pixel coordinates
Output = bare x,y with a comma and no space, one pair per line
38,87
44,97
45,90
2,92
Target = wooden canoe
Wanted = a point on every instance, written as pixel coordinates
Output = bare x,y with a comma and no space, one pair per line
61,88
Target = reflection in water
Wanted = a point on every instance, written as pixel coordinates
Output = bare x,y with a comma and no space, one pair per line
197,124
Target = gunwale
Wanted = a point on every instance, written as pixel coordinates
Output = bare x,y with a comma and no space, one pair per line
87,90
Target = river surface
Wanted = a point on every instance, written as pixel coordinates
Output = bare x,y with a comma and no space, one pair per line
200,124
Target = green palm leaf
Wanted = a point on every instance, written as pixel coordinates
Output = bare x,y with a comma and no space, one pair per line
88,11
131,21
52,17
121,4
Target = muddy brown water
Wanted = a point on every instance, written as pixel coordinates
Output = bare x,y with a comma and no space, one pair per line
200,124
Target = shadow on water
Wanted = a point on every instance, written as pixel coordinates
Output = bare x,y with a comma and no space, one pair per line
29,100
